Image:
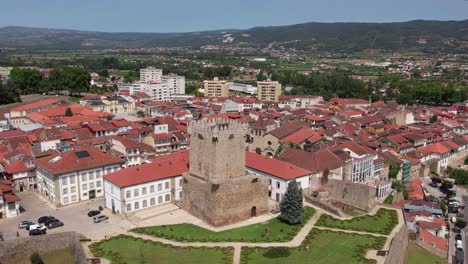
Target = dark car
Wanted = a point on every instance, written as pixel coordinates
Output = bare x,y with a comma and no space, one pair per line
458,237
37,232
50,221
459,256
433,185
93,213
54,225
43,219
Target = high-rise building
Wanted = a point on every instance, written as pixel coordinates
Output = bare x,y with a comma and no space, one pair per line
174,83
151,74
216,88
268,90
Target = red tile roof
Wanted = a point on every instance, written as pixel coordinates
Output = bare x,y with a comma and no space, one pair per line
313,161
428,238
10,197
69,161
38,104
15,167
171,165
274,167
287,129
301,135
11,133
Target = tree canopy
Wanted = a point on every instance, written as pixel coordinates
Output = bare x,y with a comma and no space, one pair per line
291,206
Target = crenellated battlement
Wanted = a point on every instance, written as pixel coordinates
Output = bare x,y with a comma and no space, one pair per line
219,128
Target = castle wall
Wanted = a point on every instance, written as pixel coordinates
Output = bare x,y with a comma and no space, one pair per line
357,195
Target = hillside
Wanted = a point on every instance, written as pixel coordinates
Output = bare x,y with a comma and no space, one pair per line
426,36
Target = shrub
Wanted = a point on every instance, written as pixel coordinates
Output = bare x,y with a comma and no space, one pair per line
280,252
36,259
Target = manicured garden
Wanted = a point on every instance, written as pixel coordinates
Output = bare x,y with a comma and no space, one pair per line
125,249
417,255
382,222
275,230
320,246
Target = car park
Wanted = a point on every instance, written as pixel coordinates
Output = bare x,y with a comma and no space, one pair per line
25,224
54,220
37,232
99,218
93,213
55,225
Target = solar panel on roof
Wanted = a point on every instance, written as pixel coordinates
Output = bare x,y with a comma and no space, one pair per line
82,154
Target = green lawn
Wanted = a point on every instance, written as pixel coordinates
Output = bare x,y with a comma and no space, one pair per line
61,256
382,222
274,230
124,249
417,255
320,247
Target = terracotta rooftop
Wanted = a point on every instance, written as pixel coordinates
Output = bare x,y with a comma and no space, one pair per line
77,160
38,104
313,161
274,167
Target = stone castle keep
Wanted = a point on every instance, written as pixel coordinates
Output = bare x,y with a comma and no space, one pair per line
217,188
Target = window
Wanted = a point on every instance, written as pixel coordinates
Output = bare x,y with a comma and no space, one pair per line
98,174
98,184
152,189
152,201
129,207
73,198
127,194
143,191
269,143
83,176
269,182
65,200
159,187
91,175
91,185
145,203
72,180
65,190
159,199
73,189
137,205
278,185
64,180
168,197
84,187
180,182
166,185
180,195
135,193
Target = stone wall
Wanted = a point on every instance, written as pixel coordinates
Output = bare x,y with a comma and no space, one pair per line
398,247
19,250
325,206
357,195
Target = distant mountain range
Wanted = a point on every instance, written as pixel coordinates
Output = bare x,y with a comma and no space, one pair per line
418,35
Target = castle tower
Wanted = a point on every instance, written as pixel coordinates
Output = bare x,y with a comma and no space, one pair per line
217,188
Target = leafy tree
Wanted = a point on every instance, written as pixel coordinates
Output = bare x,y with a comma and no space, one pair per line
282,146
71,79
291,206
8,93
460,175
36,259
433,119
26,80
68,112
394,169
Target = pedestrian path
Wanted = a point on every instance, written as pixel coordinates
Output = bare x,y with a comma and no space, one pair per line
295,242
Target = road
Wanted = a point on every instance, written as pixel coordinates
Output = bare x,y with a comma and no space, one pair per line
465,231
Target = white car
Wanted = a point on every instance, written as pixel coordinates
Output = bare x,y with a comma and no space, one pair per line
459,244
25,224
39,227
99,218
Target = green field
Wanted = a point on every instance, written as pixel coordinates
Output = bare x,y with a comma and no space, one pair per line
320,246
61,256
274,230
417,255
382,222
130,250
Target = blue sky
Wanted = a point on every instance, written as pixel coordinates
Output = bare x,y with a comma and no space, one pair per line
197,15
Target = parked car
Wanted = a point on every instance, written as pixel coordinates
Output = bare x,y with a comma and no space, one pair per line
37,232
38,227
433,185
460,256
43,219
55,225
453,219
459,243
458,237
50,221
25,224
99,218
93,213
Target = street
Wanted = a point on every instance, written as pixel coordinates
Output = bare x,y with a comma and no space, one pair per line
465,231
74,217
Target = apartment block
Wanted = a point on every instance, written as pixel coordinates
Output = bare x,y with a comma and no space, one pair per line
268,90
216,88
151,74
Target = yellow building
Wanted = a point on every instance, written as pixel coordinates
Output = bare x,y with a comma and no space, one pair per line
216,88
109,104
268,90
